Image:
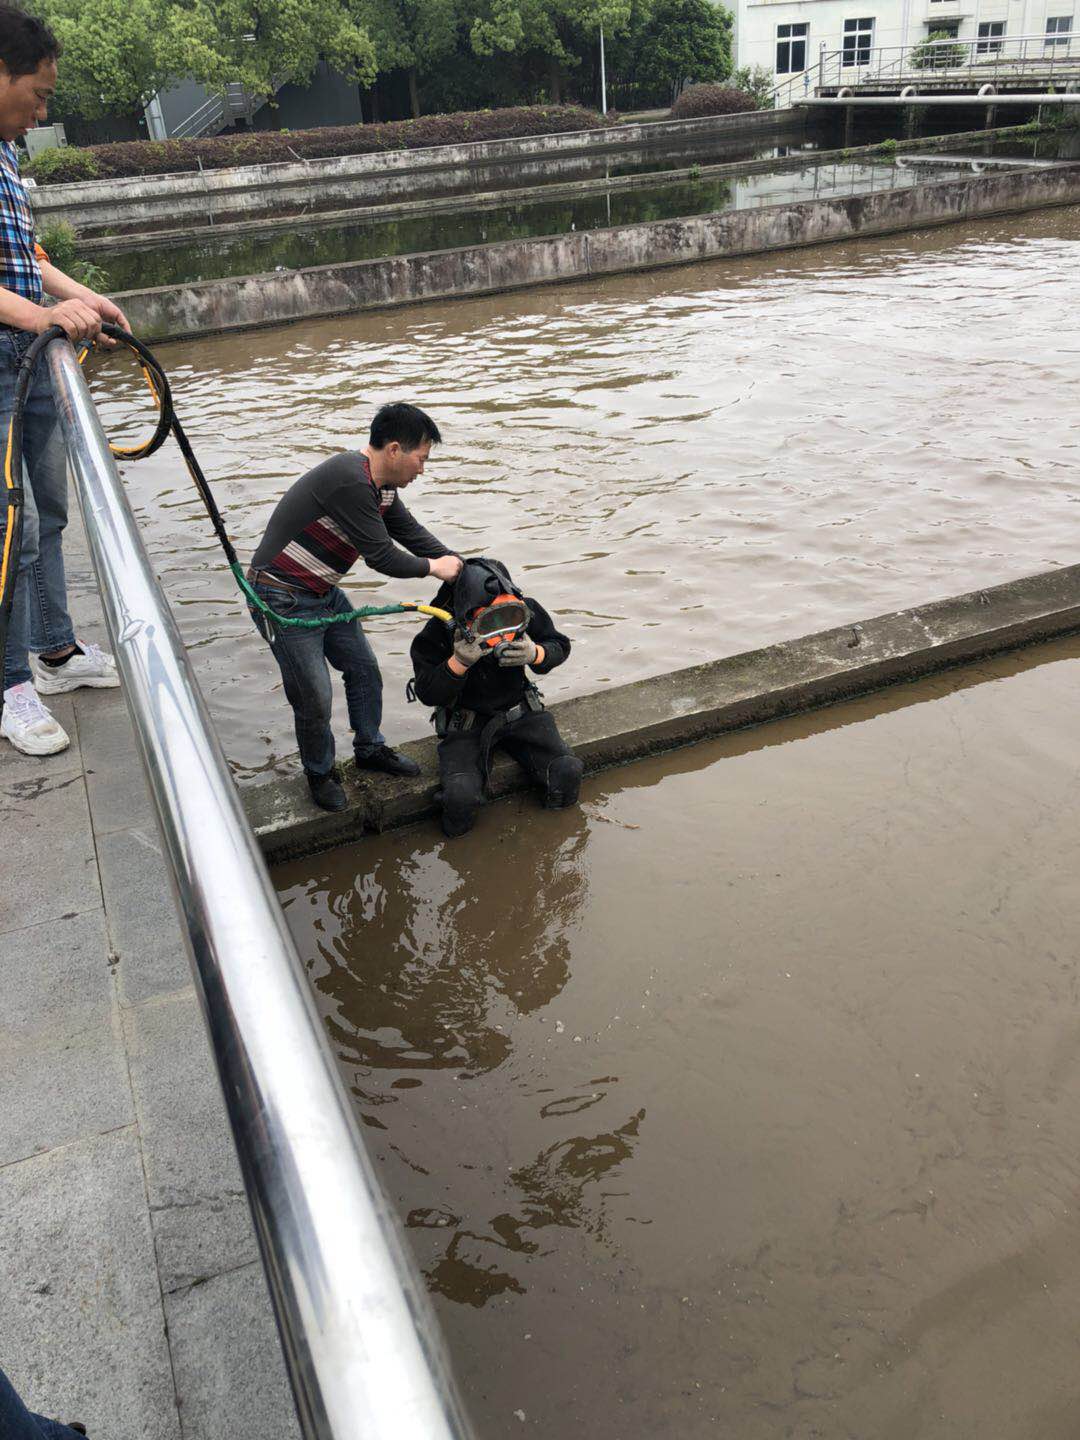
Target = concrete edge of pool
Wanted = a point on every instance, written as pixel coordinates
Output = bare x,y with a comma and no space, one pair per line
250,302
627,722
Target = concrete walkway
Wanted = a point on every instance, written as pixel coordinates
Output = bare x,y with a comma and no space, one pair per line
131,1294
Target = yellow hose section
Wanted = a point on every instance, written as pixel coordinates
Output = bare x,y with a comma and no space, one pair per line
5,561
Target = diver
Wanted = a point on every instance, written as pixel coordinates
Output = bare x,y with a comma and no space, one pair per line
346,509
473,672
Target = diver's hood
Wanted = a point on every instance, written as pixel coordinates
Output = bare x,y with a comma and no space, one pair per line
480,581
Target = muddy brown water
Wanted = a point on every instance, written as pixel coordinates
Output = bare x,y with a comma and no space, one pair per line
679,464
743,1100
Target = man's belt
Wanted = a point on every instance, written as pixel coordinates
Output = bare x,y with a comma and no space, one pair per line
264,577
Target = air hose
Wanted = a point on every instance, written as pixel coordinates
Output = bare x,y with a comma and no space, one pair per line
168,423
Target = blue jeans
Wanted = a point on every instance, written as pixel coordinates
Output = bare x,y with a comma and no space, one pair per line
39,615
302,657
18,1423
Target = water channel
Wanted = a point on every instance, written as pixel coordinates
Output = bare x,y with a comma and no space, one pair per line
680,465
745,1099
296,246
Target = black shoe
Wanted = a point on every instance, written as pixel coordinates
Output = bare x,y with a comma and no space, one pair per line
77,1426
387,760
326,792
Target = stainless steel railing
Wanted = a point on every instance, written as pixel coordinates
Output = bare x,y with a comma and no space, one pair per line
981,59
360,1344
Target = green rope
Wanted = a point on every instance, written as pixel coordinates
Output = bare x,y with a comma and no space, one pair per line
258,603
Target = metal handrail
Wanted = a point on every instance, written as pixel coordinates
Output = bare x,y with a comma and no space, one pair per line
360,1343
210,113
989,57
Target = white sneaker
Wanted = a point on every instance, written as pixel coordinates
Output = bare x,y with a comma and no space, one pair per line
95,667
28,725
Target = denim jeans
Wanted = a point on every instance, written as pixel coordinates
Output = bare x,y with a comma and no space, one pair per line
18,1423
39,616
302,657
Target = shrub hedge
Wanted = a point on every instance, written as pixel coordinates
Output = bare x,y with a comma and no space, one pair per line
698,100
54,166
258,147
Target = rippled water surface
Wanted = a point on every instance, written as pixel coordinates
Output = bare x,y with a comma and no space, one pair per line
743,1101
679,464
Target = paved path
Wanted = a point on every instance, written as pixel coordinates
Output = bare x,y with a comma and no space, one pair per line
131,1294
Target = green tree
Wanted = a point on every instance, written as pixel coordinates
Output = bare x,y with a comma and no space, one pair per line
115,53
410,35
559,30
262,43
118,53
684,40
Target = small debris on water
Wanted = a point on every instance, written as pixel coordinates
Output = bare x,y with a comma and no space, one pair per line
520,1415
559,1027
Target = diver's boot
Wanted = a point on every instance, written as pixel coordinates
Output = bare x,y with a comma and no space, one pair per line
325,791
460,799
563,782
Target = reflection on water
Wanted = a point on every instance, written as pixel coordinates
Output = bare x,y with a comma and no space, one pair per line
302,246
746,1099
682,464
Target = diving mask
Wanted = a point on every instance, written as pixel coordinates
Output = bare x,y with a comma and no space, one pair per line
499,622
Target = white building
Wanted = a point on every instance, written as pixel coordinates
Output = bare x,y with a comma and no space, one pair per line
788,36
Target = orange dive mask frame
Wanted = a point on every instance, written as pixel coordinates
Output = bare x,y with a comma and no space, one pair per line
500,622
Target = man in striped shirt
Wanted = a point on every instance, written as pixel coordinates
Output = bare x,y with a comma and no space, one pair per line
346,509
39,622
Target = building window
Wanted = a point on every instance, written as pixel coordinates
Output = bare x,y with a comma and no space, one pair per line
949,28
1058,31
858,41
791,48
990,32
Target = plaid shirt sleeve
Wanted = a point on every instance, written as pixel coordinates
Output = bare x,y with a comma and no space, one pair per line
19,269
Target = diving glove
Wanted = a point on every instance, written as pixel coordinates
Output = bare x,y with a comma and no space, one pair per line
521,651
467,652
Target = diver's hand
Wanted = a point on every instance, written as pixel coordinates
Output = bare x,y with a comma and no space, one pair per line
467,652
446,567
521,651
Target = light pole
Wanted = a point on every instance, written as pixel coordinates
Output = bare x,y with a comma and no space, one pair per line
603,74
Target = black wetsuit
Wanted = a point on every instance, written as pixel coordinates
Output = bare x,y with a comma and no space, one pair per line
492,705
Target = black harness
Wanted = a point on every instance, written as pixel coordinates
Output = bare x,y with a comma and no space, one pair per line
458,720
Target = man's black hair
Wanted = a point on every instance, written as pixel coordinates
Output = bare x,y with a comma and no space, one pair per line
407,424
25,41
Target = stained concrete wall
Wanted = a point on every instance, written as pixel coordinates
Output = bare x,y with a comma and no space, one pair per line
629,721
538,178
253,189
248,302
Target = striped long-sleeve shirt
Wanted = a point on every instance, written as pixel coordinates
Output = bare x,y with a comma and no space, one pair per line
335,515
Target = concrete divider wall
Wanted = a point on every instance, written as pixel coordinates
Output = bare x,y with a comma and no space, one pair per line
252,301
252,189
627,722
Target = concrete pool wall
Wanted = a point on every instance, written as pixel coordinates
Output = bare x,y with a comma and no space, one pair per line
357,179
249,302
628,722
